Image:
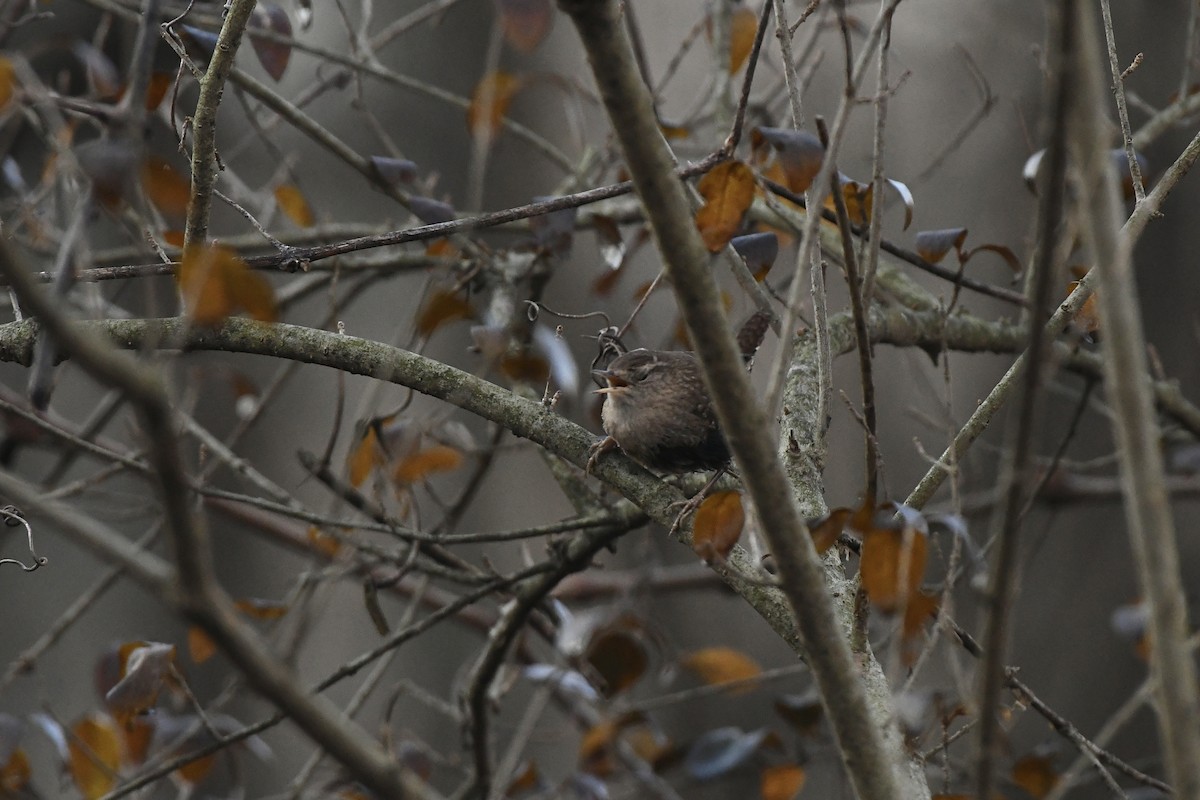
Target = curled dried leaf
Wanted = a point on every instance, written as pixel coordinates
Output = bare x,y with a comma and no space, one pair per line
798,153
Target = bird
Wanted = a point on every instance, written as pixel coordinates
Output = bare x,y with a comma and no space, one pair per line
658,411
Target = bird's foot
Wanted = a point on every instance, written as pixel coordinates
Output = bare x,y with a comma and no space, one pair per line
598,449
694,502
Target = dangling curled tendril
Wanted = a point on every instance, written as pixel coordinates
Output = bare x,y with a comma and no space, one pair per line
12,517
534,309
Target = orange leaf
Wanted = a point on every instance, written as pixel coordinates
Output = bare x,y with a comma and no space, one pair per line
95,756
292,201
366,456
166,188
782,782
200,647
196,771
728,190
489,103
884,551
323,543
14,774
1035,774
718,525
1087,319
715,665
215,283
525,22
137,733
743,27
826,530
442,307
173,238
422,464
8,82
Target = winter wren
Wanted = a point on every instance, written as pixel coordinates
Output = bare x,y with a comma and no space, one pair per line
657,409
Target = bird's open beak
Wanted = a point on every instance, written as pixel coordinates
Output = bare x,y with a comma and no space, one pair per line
614,381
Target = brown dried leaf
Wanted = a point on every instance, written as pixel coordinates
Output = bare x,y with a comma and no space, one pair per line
196,771
15,774
156,90
420,465
366,456
95,756
618,657
323,543
167,189
525,22
716,665
273,55
1010,258
440,308
489,103
215,283
728,191
743,27
782,782
1035,774
137,733
8,83
200,647
883,552
294,205
826,530
718,525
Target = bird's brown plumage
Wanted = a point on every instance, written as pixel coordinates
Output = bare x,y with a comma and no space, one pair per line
657,409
